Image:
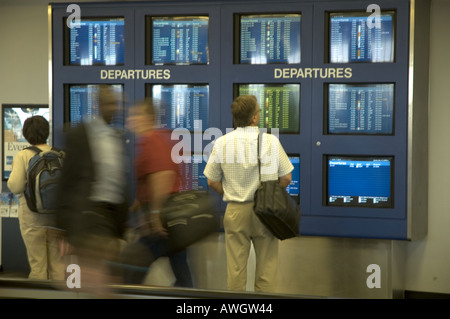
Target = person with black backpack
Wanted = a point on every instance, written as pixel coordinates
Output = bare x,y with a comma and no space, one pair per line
37,228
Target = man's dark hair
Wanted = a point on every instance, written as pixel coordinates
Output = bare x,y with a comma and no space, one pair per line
108,102
242,109
36,130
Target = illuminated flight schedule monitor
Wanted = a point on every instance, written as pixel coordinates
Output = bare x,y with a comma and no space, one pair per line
177,40
359,37
181,105
279,103
82,100
359,181
294,187
268,38
99,41
360,109
191,171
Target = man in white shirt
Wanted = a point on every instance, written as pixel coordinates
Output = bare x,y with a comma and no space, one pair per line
232,171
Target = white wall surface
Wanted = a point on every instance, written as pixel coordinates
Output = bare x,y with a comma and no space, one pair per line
24,79
23,52
428,260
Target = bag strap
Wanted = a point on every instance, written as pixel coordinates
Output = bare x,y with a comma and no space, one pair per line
59,151
259,158
35,149
38,150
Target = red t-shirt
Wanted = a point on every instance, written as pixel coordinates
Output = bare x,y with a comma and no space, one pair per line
154,155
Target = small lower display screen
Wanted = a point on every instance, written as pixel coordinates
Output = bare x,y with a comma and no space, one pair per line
359,181
294,187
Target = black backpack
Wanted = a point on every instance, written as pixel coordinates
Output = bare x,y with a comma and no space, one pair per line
43,175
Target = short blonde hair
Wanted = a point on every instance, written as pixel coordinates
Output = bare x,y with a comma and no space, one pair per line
242,109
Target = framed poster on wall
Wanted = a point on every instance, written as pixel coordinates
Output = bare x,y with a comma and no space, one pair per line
13,117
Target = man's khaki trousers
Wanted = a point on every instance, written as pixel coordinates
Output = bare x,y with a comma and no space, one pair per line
242,227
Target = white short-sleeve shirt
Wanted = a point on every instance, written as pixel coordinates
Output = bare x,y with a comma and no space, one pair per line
234,162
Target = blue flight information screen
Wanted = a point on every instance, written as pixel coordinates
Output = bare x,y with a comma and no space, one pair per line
84,100
180,40
191,171
360,109
266,39
359,181
182,106
355,38
98,42
293,188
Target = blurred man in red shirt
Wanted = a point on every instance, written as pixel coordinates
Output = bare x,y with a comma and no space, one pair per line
157,178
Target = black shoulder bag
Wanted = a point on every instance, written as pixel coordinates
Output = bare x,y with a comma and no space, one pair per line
276,209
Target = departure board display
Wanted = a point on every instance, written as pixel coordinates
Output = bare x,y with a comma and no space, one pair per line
82,103
279,103
355,38
294,186
269,38
360,108
359,181
191,171
181,105
97,42
179,40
